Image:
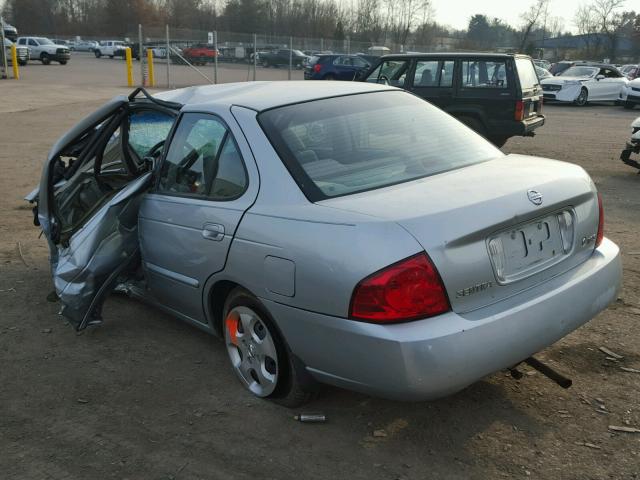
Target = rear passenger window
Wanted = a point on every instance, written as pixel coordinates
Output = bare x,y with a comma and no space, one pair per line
203,160
484,74
426,74
433,73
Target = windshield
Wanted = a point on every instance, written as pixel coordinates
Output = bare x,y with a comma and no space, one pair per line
343,145
44,41
580,72
526,73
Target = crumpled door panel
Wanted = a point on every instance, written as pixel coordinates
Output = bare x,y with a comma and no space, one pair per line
98,254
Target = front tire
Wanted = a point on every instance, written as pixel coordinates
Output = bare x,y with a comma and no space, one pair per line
45,59
97,53
63,62
583,98
258,354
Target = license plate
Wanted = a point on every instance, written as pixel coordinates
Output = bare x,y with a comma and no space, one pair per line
526,249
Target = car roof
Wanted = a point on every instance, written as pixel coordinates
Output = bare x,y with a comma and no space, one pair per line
454,55
262,96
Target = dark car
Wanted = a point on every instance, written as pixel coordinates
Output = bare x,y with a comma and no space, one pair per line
497,95
281,57
335,67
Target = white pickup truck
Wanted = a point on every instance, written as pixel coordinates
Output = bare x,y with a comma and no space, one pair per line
43,49
109,48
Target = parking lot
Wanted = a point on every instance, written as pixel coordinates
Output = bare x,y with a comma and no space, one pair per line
146,396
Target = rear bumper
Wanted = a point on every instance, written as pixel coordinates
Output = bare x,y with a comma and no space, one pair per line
431,358
513,128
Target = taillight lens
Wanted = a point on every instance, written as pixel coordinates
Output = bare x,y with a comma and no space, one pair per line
600,234
317,67
519,115
407,290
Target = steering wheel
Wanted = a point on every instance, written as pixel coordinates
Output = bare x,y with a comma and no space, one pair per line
384,79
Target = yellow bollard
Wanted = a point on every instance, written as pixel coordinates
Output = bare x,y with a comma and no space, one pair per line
152,80
14,62
127,56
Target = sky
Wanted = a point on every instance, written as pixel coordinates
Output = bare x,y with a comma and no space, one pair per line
456,13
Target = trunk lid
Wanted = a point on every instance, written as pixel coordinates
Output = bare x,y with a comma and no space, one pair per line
493,229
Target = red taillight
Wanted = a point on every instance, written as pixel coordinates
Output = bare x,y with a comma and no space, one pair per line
519,115
600,234
317,67
407,290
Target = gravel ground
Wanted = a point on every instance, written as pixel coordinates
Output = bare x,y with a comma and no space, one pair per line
145,396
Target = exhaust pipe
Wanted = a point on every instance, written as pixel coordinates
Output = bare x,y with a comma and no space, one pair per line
549,372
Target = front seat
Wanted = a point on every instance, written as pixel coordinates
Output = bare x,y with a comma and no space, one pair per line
426,80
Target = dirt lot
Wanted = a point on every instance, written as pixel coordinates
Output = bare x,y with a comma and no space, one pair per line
147,397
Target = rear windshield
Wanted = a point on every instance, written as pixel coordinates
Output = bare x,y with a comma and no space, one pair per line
527,74
343,145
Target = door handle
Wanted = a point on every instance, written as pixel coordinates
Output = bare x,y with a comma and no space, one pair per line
213,231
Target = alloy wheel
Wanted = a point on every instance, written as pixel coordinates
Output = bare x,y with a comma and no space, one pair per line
582,98
252,350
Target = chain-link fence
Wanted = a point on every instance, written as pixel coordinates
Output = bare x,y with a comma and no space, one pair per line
189,57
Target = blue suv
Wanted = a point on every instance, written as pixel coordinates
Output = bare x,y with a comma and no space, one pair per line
335,67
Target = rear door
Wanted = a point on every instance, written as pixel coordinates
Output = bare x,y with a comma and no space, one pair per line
206,181
89,196
487,87
432,79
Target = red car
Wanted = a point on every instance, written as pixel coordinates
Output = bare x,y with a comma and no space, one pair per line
200,53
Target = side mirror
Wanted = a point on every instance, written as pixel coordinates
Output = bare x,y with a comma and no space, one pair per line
600,77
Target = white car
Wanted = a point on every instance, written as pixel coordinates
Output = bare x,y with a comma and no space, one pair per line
109,48
581,84
632,146
630,94
43,49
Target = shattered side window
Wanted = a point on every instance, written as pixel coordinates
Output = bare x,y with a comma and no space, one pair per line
147,129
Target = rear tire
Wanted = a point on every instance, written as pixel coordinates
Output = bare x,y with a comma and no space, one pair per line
282,383
583,98
63,62
97,53
22,63
499,141
110,56
45,59
629,105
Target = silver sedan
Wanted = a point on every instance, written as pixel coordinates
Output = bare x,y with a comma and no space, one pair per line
343,233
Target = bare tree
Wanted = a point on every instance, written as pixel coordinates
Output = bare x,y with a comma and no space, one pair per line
531,19
606,14
403,16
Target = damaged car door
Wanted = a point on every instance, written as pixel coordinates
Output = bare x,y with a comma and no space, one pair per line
89,196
